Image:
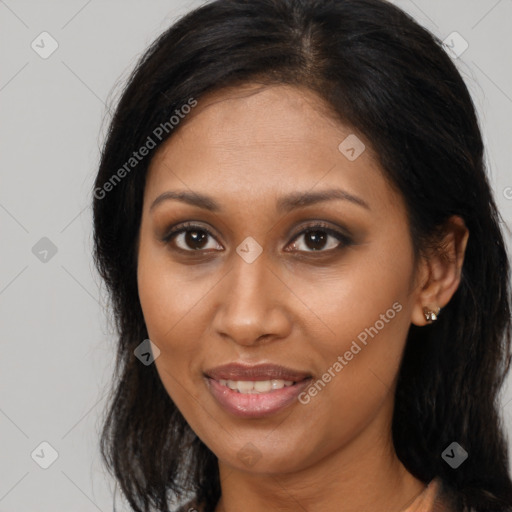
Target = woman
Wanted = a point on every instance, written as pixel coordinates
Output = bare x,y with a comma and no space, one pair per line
292,206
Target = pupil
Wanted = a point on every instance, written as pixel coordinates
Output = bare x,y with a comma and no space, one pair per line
196,239
318,239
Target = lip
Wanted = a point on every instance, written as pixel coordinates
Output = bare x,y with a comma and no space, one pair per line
248,405
238,371
255,405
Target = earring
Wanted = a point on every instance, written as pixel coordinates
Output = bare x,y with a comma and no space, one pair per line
431,316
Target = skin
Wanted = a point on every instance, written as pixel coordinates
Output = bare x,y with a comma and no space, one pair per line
246,147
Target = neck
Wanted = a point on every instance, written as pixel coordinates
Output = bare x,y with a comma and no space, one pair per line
363,475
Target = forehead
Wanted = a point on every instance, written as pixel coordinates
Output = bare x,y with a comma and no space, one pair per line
240,118
257,141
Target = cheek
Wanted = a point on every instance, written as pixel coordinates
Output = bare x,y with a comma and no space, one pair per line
366,314
364,299
166,305
168,298
165,313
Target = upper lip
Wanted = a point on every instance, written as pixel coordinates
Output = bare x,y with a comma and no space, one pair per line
238,371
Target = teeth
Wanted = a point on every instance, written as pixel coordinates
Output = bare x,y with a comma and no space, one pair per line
255,387
244,386
263,386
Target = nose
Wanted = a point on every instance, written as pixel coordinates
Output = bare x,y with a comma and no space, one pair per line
252,304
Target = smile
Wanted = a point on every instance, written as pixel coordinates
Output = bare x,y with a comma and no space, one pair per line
255,399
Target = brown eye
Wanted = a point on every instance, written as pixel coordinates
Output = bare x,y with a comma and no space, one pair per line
191,238
319,238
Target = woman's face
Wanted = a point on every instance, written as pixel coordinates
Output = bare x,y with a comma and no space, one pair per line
254,281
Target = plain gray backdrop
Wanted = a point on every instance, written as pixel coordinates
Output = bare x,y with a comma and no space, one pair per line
57,341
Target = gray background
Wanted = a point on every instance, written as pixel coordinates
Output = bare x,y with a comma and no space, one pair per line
57,343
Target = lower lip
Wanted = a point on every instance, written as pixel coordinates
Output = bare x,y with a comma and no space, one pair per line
255,405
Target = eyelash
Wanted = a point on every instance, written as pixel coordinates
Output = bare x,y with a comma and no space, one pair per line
344,240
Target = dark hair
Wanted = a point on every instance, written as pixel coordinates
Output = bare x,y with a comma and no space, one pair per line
390,79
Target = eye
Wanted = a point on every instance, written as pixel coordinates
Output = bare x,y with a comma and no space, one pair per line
190,237
316,239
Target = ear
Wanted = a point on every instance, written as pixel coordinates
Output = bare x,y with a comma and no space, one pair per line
439,273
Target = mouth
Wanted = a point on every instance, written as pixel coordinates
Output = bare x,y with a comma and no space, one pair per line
255,391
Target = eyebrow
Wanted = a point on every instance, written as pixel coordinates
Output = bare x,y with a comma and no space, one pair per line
284,204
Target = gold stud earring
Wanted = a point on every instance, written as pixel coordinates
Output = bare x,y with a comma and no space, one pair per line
431,316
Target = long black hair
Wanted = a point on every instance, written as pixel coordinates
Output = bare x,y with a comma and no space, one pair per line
386,76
